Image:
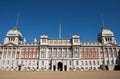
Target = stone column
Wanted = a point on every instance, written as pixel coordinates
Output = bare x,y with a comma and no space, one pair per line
51,65
2,54
7,53
11,53
15,52
67,52
56,66
113,57
51,52
56,52
104,56
63,66
6,60
108,56
11,58
99,56
47,52
20,53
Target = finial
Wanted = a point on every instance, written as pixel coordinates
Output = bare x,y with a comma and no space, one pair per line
35,40
24,40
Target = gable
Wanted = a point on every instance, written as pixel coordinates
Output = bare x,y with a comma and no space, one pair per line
10,44
110,44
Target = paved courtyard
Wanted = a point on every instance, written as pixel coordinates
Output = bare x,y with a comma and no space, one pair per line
61,75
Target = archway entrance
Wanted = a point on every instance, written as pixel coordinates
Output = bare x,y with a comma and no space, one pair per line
60,66
65,68
19,68
54,68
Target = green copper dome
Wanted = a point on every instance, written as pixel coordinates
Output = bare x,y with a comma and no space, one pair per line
106,31
14,31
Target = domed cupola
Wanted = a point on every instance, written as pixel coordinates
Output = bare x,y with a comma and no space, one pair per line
13,36
106,36
14,32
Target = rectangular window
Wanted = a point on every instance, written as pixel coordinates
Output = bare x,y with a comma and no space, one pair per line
76,52
70,62
43,51
22,53
86,63
5,53
30,53
36,53
50,53
112,62
18,53
9,54
70,53
8,62
97,54
82,63
27,55
55,52
65,52
97,62
85,55
60,52
90,63
77,63
3,62
89,56
13,54
42,62
93,62
107,62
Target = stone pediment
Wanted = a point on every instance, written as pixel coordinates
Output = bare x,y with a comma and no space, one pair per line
10,44
110,44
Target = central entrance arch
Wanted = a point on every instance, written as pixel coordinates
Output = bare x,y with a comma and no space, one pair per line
19,68
60,66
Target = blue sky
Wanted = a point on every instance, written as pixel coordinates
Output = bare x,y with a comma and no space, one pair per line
81,17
